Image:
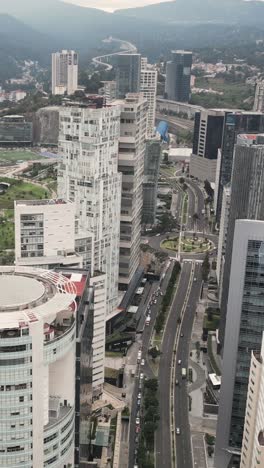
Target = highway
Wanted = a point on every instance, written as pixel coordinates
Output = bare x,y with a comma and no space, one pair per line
127,47
176,122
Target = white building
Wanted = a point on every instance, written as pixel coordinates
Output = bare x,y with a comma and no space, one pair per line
223,236
148,87
45,234
259,97
132,147
88,175
109,91
37,372
252,453
64,72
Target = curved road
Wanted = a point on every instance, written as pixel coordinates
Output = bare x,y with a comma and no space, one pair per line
128,47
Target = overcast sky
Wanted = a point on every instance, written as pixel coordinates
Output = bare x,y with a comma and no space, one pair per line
111,5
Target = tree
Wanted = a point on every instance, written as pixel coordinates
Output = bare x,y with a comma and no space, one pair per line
154,352
152,385
205,267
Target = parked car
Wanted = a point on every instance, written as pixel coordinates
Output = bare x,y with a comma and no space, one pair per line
142,362
137,421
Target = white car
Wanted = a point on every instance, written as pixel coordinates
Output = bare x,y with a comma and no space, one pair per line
139,395
142,362
179,362
155,301
137,421
178,431
141,376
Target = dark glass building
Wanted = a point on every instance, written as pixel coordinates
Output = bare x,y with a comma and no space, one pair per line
128,68
15,131
178,76
150,184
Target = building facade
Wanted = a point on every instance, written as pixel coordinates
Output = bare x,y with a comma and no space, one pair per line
178,76
148,87
244,328
252,453
64,72
127,74
88,176
108,91
259,97
15,131
223,237
247,202
235,123
37,329
132,146
151,175
207,139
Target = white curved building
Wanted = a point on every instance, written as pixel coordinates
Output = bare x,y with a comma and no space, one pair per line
37,368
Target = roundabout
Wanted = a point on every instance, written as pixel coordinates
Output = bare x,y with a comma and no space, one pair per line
191,244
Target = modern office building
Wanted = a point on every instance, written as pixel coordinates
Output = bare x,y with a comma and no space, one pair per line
259,97
132,147
244,328
235,123
38,360
64,72
148,87
108,90
151,175
247,202
252,453
127,74
223,237
15,131
207,139
88,176
178,76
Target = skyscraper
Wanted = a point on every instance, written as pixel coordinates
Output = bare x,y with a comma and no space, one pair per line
259,97
223,237
235,123
64,72
127,74
132,145
88,175
148,87
244,328
178,76
247,202
207,139
252,453
151,176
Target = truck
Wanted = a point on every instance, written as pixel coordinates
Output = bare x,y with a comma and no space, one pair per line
184,373
147,320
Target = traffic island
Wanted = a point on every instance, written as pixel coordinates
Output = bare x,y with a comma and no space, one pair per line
194,245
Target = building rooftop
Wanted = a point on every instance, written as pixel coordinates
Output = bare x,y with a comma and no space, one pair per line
57,201
17,291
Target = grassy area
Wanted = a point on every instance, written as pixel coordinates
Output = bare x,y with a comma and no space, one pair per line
211,356
20,190
113,354
7,230
18,155
185,209
234,94
212,324
187,245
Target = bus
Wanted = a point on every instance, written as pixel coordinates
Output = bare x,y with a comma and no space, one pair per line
184,373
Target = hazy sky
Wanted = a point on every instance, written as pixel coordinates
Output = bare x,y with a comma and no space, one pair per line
111,5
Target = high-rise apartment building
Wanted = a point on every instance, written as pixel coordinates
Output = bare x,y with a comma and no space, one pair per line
64,72
235,123
247,202
88,176
207,139
148,87
223,237
127,74
252,453
151,176
108,90
38,364
259,97
244,328
132,146
178,76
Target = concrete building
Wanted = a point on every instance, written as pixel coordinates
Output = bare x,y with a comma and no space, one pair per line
132,147
207,139
259,97
15,131
64,72
108,91
244,328
88,176
46,126
234,124
178,76
247,202
151,175
223,237
38,359
252,453
127,74
148,87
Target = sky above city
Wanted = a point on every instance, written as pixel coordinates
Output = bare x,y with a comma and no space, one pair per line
111,5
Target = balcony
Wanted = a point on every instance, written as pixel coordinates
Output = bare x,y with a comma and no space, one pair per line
59,338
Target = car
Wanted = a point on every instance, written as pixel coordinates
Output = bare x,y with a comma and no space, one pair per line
194,280
179,362
182,335
157,235
176,382
137,429
178,431
141,376
139,403
137,421
155,301
139,395
142,362
136,440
